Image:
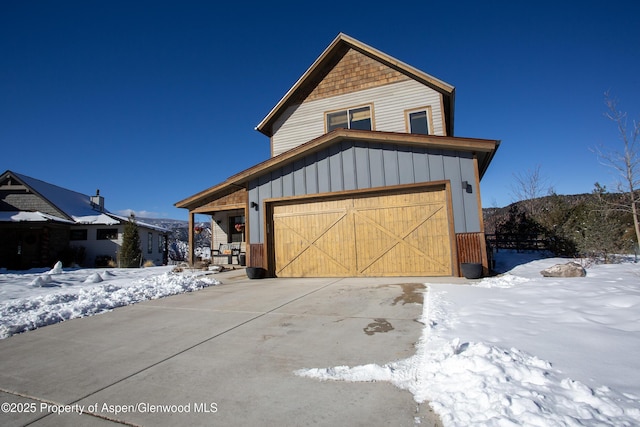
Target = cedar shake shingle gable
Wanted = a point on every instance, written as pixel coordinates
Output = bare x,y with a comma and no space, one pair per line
329,75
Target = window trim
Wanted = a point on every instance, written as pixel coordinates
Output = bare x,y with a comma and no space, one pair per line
347,110
107,234
428,110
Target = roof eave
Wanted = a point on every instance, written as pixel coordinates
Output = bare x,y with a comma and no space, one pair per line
488,158
446,89
485,147
36,192
261,126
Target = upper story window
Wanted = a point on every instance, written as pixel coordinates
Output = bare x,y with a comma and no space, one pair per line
419,121
352,118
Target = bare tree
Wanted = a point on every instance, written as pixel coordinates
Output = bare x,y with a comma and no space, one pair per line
624,161
530,185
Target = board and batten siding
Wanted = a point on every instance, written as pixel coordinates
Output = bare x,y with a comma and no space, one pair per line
304,122
360,165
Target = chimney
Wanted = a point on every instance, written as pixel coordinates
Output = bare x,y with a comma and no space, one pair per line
97,202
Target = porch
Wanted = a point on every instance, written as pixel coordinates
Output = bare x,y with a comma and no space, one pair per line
228,241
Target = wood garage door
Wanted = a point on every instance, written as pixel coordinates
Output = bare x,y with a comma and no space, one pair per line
400,234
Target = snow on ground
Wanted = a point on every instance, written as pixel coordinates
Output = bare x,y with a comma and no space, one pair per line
521,349
36,298
516,349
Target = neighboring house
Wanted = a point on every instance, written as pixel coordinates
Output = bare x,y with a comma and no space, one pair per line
365,179
41,223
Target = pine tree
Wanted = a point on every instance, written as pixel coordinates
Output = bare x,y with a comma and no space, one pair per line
130,253
603,231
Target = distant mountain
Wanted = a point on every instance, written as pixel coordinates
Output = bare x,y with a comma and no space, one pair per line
583,224
495,216
180,230
165,222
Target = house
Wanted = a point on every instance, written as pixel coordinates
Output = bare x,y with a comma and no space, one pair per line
41,223
366,177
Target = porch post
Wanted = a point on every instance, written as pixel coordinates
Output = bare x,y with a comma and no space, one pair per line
190,256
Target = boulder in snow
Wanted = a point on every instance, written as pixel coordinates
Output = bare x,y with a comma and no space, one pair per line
570,269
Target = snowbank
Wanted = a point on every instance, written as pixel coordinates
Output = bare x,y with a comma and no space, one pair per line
517,349
32,300
520,349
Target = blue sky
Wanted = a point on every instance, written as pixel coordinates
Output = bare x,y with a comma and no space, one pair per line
153,101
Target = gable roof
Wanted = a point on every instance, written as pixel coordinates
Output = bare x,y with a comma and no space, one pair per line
328,59
484,149
76,208
70,203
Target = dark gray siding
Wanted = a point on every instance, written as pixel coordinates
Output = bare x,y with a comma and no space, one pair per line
359,165
21,201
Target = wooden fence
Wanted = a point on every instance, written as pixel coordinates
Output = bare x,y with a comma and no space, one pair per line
518,242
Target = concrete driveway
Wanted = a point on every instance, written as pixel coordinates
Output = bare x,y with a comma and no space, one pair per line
222,356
